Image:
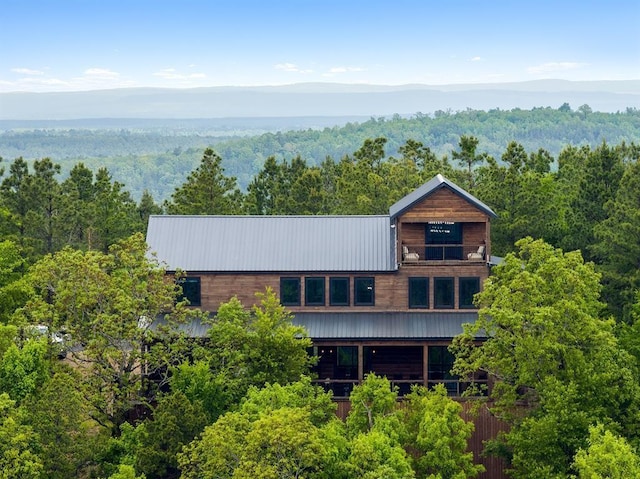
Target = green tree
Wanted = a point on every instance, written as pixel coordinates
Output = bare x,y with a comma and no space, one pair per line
617,244
19,456
253,347
548,349
467,156
121,308
439,435
374,455
607,456
207,191
13,291
24,369
58,414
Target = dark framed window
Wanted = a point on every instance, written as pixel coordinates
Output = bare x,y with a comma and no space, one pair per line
290,291
467,288
190,290
440,361
418,292
443,293
339,291
364,291
314,291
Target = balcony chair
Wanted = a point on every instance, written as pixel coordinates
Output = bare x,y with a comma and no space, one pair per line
478,255
406,256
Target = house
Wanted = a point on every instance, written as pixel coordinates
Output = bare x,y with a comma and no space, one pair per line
376,293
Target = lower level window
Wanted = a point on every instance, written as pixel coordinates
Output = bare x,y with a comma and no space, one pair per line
364,294
290,291
443,293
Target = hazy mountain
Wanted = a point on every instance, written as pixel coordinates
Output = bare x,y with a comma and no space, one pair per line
316,99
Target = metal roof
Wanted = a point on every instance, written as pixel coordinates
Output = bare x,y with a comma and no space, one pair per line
365,326
384,325
272,243
430,187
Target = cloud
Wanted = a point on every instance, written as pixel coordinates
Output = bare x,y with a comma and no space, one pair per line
290,67
477,59
99,74
333,71
27,71
551,67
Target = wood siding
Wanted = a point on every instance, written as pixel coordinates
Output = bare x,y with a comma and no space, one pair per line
443,205
391,289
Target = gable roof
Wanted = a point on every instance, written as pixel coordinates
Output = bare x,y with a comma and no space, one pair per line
272,243
434,184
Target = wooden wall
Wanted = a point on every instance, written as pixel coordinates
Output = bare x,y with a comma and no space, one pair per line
444,205
391,289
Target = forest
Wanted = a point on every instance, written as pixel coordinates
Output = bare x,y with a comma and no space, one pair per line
157,155
97,379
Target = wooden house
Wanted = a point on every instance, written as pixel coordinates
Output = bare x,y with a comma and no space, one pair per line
376,293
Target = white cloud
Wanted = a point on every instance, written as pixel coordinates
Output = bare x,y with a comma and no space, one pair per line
477,59
551,67
333,71
27,71
99,74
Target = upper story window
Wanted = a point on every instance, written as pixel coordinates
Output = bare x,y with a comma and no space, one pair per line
418,292
467,288
440,234
190,290
339,291
364,291
314,291
443,293
290,291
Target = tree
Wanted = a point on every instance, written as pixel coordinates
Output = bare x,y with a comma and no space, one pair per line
207,191
439,435
547,348
374,455
18,444
468,157
25,369
607,456
121,308
257,346
13,292
617,244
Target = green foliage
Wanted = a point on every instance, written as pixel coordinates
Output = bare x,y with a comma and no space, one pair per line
24,369
115,305
550,357
253,347
607,456
373,404
58,415
19,455
438,435
176,422
13,292
207,191
374,455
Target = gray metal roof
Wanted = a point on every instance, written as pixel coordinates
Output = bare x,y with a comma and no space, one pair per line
384,325
272,243
430,187
366,326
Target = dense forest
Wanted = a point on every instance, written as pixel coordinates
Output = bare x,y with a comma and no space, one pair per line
157,155
83,305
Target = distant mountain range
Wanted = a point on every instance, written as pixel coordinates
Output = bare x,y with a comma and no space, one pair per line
316,99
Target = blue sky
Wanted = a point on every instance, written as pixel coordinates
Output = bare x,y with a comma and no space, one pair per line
71,45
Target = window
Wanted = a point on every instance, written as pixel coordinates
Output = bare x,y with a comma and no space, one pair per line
467,287
190,290
339,291
363,294
440,361
418,292
314,291
290,291
443,292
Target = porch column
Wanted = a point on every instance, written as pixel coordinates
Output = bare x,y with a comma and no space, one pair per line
425,365
360,363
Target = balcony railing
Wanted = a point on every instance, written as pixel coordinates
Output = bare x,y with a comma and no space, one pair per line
417,253
455,388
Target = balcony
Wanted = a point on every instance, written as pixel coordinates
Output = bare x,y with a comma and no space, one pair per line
420,254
